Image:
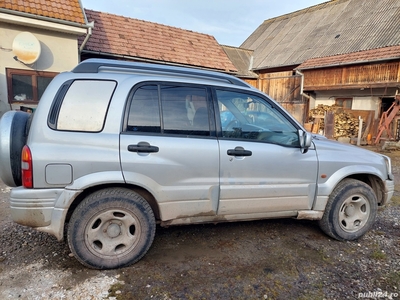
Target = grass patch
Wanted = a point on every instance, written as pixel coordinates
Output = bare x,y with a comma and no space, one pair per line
112,292
378,254
393,279
395,200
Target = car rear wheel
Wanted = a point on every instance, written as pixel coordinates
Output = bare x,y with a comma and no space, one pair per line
13,135
351,210
111,228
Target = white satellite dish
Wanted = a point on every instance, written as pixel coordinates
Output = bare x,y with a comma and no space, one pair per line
26,48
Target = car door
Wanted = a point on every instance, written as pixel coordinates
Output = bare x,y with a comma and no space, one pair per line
262,167
167,148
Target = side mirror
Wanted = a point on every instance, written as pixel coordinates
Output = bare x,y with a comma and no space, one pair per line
305,138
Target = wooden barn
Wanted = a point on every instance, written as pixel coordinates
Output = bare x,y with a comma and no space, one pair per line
341,53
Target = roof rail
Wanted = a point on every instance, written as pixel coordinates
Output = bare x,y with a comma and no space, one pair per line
94,65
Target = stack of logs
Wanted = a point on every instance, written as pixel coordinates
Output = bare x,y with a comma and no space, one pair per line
345,124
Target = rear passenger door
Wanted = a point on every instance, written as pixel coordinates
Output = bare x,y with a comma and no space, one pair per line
168,146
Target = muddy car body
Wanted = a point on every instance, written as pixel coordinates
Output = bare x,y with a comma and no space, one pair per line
115,148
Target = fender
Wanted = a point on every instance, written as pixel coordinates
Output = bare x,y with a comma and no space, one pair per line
326,188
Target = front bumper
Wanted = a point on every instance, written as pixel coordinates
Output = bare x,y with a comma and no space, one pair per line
389,191
43,209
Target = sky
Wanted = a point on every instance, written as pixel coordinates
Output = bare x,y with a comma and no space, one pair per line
229,21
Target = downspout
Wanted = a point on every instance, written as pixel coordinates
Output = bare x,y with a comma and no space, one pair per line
89,34
303,94
302,85
251,63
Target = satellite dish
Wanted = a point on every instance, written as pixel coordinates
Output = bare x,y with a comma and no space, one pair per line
26,47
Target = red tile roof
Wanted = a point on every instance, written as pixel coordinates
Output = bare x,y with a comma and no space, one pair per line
67,10
133,38
392,52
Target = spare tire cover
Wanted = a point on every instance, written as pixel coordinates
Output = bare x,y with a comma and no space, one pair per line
13,136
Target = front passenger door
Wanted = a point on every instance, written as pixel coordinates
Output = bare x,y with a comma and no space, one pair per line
262,166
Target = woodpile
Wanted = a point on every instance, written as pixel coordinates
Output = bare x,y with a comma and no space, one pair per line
345,124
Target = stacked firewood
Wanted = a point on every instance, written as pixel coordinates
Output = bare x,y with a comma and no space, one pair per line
345,124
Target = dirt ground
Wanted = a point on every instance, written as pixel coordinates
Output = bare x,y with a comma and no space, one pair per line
269,259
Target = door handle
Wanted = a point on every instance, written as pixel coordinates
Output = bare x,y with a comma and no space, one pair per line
239,151
143,147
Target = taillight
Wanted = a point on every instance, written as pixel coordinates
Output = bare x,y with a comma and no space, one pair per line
26,167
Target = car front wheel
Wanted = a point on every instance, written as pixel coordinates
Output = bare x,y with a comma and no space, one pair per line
351,210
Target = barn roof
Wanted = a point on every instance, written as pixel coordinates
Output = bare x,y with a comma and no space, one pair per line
336,27
368,56
242,59
132,38
66,10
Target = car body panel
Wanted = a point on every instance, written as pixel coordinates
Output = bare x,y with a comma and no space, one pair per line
183,175
266,180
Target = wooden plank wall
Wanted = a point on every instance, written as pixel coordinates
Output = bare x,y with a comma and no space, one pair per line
374,75
252,82
285,89
281,86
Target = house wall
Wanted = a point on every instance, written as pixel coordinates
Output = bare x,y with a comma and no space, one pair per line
365,99
365,84
367,103
59,52
358,103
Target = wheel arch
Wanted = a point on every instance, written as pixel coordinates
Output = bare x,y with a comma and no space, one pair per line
140,190
374,182
371,179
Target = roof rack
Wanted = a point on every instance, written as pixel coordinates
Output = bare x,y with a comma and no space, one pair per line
93,65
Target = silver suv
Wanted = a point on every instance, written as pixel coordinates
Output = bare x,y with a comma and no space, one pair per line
115,148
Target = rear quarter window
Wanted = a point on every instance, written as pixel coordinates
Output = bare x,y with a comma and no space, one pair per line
83,107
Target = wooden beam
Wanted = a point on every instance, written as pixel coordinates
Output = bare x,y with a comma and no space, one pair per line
350,86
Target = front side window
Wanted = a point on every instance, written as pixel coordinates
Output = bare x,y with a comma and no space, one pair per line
84,106
249,117
26,86
169,109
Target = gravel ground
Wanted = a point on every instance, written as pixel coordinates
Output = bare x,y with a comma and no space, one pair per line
269,259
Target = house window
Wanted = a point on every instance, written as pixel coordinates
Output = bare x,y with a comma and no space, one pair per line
344,102
27,86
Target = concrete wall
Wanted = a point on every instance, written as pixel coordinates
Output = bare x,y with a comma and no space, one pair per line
59,52
362,99
324,101
359,103
367,103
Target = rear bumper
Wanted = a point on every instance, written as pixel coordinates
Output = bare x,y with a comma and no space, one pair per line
43,209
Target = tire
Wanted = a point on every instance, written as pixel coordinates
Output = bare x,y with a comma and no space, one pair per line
350,212
111,228
13,135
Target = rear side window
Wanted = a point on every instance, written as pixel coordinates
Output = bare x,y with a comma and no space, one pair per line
83,107
169,109
144,113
